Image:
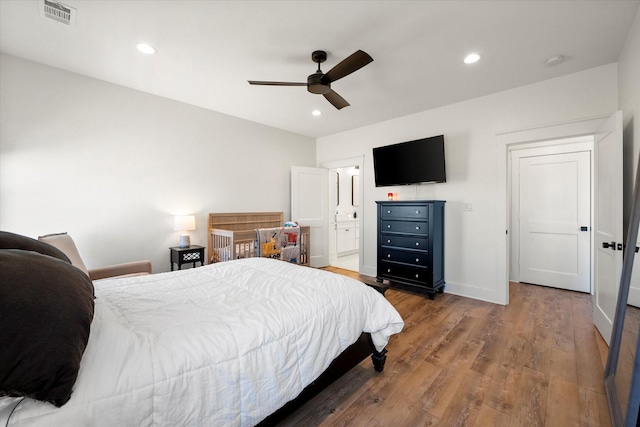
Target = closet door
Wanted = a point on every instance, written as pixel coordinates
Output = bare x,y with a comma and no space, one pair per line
555,220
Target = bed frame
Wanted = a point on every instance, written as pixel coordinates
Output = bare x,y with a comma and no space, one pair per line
348,359
233,235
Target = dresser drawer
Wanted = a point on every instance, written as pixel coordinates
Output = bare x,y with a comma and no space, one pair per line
419,275
406,257
405,212
412,227
409,242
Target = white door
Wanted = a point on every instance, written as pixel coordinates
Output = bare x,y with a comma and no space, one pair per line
607,222
555,219
310,207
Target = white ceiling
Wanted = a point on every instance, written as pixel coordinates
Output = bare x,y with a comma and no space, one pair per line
207,50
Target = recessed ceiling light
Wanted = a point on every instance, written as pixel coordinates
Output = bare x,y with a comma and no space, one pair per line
472,58
316,113
146,48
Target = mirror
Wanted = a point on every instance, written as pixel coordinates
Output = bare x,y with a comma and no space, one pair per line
626,356
338,188
622,372
355,190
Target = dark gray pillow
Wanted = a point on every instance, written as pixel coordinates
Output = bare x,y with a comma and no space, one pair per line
16,241
46,309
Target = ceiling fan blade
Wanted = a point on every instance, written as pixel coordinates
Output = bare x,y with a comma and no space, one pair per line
256,82
350,64
336,100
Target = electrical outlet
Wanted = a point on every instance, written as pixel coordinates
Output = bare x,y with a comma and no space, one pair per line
468,207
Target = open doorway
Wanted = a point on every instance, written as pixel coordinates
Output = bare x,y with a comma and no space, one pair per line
344,225
551,213
607,230
345,213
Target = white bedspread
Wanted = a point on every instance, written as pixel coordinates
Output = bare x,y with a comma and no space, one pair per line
223,344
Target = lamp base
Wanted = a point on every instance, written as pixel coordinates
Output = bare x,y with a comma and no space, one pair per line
184,241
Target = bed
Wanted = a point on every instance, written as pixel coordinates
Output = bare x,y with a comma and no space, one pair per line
233,235
224,344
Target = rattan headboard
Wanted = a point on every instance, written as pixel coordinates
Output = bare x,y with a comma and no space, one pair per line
245,220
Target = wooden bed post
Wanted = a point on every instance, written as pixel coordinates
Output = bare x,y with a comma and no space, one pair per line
378,358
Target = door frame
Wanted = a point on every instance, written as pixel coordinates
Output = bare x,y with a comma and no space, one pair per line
510,138
345,163
552,147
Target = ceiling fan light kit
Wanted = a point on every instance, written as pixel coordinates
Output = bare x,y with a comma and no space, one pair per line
320,83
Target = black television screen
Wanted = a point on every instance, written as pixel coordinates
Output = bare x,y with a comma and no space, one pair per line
410,162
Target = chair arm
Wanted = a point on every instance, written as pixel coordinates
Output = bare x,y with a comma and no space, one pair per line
133,268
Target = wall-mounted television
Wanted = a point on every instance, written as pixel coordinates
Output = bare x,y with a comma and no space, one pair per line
411,162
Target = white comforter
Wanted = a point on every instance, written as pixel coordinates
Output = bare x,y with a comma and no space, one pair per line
223,344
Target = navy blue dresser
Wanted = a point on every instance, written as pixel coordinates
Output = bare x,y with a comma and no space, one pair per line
411,244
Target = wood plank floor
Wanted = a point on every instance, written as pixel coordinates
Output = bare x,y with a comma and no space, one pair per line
462,362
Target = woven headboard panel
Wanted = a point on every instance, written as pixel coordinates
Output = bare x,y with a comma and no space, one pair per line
245,220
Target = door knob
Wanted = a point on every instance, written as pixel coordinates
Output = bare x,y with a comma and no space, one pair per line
607,245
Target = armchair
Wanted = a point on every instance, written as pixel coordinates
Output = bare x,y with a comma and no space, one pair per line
65,243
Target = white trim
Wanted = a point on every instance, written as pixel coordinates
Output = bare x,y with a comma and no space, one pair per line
579,123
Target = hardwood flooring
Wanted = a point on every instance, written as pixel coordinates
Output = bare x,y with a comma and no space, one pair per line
462,362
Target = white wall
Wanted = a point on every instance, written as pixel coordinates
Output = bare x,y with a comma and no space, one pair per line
112,166
475,249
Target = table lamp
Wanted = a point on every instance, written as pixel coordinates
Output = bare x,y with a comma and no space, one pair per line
184,223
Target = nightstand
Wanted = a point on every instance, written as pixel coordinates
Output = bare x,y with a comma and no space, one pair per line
190,254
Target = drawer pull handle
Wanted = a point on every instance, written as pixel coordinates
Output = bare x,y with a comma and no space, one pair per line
417,227
417,243
417,276
388,255
417,260
418,212
389,211
388,225
388,270
388,240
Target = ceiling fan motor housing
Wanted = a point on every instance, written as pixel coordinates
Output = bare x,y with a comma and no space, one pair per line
317,84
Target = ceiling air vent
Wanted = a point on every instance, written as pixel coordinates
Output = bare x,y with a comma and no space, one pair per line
58,12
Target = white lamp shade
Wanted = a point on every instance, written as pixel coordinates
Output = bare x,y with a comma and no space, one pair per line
184,223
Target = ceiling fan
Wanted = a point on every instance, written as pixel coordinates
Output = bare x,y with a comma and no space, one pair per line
320,83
